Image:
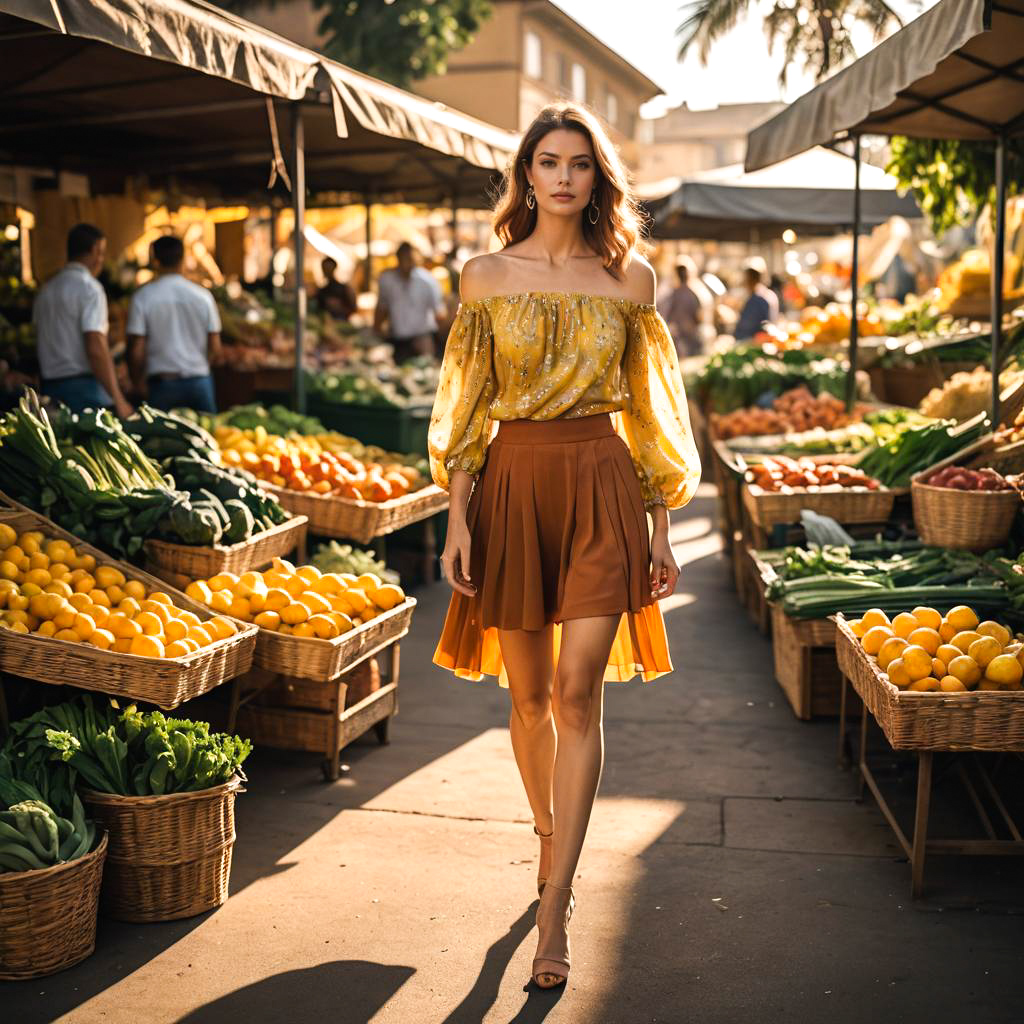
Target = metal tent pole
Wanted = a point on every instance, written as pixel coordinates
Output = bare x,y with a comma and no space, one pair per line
368,271
299,242
998,256
851,379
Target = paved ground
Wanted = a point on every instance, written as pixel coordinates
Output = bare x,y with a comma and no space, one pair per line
729,875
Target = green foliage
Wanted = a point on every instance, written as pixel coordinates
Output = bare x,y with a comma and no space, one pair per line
399,41
953,180
818,33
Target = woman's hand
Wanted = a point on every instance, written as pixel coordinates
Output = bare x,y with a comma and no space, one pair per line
455,558
664,570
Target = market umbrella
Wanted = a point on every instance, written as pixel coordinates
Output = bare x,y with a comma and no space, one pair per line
953,73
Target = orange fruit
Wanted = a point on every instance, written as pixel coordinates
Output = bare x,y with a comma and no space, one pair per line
965,669
294,613
927,617
268,620
240,608
316,603
276,599
964,639
221,626
962,617
871,618
116,595
66,634
176,649
150,624
157,608
59,587
938,668
984,649
79,601
199,591
892,648
947,652
872,641
135,589
303,629
1005,670
46,628
175,629
925,685
99,598
947,631
102,639
130,607
904,624
160,597
323,627
918,662
147,646
950,684
221,600
122,645
929,639
856,627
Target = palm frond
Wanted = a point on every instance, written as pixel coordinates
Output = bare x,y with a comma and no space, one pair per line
705,22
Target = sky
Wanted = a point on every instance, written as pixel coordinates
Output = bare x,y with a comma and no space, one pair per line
740,69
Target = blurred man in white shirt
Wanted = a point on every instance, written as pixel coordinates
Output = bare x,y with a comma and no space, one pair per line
409,299
173,335
70,315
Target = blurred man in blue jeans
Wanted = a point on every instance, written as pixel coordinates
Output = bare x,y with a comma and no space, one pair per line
70,314
173,335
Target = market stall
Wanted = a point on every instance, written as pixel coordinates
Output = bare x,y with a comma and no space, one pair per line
951,74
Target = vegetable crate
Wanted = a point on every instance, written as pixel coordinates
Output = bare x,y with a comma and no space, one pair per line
907,385
179,564
390,427
166,682
928,723
280,704
970,520
728,480
361,521
48,917
768,510
805,664
170,856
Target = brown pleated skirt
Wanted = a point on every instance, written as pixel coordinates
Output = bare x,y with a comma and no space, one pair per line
559,532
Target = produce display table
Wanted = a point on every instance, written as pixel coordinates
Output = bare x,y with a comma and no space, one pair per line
927,723
394,428
303,703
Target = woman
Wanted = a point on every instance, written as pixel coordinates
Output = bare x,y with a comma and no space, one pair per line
555,579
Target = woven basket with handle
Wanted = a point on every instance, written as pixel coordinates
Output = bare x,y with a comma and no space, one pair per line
170,856
48,917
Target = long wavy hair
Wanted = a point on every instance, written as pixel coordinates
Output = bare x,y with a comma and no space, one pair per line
617,233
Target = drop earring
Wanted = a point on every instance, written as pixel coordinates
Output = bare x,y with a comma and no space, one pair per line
531,198
593,210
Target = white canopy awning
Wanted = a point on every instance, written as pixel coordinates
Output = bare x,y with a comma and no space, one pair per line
955,72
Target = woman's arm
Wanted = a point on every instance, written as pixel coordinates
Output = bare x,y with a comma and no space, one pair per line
455,557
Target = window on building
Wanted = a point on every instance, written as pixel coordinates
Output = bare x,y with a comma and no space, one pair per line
579,83
611,107
563,71
533,56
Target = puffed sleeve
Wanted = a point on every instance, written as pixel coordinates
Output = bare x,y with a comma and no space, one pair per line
656,422
460,424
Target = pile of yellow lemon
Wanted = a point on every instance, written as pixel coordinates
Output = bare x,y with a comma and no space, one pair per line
298,601
922,650
48,588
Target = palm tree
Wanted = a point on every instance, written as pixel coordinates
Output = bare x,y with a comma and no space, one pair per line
817,30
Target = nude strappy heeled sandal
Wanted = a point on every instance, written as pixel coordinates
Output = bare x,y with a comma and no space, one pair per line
544,864
551,964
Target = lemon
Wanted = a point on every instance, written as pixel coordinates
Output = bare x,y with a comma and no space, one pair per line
961,617
875,617
965,669
890,650
268,620
293,614
7,536
856,627
928,617
964,639
898,674
135,589
927,638
388,596
308,573
147,646
240,608
938,668
150,623
323,627
947,631
103,639
872,641
925,685
988,628
1005,670
199,591
918,661
950,684
316,603
904,624
947,652
276,599
984,649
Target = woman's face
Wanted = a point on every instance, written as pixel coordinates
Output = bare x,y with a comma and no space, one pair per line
563,172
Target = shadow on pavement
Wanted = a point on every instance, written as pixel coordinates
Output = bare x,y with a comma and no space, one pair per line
342,990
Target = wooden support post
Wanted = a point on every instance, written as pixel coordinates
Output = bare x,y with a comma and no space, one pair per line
299,243
924,792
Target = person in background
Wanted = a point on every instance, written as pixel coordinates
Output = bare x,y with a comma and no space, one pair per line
335,297
173,334
70,315
409,300
761,306
684,313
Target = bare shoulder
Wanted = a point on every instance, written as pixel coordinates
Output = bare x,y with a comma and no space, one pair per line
480,277
641,281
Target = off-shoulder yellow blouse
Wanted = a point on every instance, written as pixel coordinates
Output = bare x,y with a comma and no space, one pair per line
541,355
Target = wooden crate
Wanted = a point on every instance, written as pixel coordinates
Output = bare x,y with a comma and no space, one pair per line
806,669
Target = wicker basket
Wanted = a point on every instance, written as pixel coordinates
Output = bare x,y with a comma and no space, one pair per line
361,521
976,720
972,520
48,917
166,682
170,856
847,505
323,660
168,560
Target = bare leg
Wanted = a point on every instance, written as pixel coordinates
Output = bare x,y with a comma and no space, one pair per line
577,704
529,663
